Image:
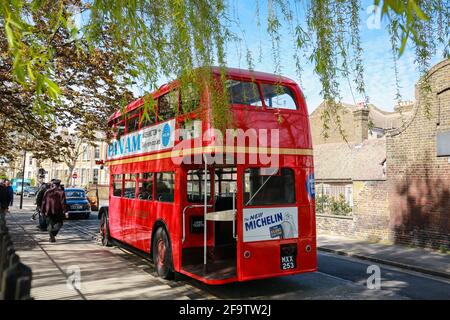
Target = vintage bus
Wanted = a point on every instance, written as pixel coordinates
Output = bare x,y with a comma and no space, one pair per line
217,212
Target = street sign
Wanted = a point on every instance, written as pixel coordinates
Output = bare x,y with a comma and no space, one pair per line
75,175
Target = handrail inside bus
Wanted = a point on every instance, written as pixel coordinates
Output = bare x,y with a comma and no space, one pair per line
184,217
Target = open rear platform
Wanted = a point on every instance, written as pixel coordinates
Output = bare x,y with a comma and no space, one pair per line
215,270
221,262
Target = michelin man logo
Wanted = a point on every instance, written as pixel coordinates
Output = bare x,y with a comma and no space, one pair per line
288,227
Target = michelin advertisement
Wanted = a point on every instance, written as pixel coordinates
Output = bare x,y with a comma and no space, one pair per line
262,224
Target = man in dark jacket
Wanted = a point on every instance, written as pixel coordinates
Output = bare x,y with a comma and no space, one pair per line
4,198
54,208
10,192
39,198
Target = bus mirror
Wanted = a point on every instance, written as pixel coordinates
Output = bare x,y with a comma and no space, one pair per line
269,171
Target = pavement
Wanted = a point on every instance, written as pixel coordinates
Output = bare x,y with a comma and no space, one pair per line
79,268
416,259
115,273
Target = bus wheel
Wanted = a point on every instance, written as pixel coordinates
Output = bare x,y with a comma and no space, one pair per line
162,254
104,230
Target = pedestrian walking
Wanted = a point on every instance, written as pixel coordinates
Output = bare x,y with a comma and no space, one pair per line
10,192
54,208
4,199
39,198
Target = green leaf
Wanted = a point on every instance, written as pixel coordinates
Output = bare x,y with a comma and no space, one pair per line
417,10
53,89
404,40
9,35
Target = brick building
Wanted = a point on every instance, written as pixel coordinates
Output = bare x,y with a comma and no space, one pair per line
419,180
358,123
354,171
356,174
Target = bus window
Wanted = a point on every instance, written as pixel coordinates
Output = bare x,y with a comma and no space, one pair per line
147,120
129,190
190,98
133,123
117,185
119,129
278,96
168,106
225,186
261,189
145,185
195,183
240,92
165,186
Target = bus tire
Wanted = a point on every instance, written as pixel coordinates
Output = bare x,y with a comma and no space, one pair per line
162,254
104,231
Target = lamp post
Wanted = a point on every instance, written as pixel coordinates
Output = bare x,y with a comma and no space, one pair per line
23,178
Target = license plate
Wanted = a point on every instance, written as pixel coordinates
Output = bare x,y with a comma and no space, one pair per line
288,256
76,207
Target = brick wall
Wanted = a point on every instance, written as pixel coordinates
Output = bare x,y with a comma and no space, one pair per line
419,181
370,217
371,209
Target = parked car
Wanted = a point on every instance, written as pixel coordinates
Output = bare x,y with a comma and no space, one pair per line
77,203
30,191
93,200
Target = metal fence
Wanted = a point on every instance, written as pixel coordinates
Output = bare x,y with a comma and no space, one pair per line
15,277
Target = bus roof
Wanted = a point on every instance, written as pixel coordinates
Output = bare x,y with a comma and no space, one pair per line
230,72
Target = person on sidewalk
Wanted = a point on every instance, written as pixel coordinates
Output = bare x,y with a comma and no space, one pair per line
54,208
10,192
4,199
39,198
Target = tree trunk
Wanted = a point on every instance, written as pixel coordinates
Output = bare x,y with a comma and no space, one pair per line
69,178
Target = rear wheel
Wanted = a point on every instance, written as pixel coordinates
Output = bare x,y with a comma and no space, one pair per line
104,230
162,254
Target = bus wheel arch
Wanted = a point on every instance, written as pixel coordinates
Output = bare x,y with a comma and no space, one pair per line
161,250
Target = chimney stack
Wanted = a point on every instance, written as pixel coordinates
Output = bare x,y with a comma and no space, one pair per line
361,124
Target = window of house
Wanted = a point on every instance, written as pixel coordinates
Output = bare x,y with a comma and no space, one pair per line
129,188
195,186
165,186
117,182
168,106
262,188
241,92
30,161
145,186
85,152
278,96
97,152
95,176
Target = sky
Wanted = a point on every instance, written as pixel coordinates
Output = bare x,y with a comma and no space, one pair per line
378,63
377,58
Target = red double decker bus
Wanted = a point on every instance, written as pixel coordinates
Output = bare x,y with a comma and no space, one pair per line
218,207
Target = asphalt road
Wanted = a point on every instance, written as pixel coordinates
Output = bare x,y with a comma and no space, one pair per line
338,278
